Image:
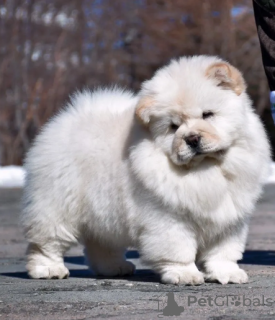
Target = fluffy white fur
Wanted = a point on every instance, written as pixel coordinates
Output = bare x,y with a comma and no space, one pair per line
113,170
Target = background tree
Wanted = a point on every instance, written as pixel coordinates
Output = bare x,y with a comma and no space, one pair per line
50,48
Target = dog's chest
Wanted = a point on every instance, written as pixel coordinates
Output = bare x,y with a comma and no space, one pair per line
197,190
202,191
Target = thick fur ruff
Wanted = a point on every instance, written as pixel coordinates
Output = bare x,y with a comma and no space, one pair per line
175,172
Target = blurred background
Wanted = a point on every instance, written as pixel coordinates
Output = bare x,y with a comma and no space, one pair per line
50,48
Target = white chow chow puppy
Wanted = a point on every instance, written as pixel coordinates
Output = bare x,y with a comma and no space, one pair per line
174,172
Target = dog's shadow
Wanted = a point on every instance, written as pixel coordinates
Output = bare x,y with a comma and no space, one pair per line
259,257
253,257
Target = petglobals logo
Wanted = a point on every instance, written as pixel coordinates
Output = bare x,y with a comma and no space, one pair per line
230,301
169,304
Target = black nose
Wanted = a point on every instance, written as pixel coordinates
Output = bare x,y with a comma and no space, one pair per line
193,140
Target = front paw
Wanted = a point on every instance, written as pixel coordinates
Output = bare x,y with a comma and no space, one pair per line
225,272
178,274
54,271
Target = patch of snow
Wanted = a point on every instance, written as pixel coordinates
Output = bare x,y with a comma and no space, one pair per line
271,177
12,177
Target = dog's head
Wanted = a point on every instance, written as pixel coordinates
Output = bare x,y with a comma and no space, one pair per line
194,108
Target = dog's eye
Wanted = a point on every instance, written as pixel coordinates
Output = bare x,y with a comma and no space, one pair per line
174,127
207,114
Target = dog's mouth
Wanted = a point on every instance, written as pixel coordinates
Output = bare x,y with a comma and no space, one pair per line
208,150
199,154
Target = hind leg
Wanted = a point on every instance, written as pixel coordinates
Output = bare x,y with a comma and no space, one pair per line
45,261
107,261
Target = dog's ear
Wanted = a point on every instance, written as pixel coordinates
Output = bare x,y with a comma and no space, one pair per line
144,108
226,76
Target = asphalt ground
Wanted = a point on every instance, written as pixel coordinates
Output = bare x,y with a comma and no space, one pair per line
140,296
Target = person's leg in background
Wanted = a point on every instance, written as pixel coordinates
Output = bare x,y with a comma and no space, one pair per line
264,11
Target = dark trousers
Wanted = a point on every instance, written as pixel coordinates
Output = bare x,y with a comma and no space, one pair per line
264,11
